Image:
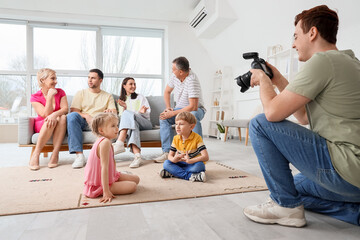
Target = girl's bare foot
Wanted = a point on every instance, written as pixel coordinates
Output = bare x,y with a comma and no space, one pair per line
34,162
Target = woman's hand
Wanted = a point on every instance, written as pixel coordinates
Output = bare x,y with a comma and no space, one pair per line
52,92
143,109
122,103
107,197
51,120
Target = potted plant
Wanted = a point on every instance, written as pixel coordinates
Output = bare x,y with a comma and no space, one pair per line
221,129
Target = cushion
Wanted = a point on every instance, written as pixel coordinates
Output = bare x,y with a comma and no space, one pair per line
242,123
157,105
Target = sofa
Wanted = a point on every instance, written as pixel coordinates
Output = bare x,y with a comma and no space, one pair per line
149,138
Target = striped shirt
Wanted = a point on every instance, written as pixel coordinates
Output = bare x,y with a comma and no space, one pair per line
193,145
189,88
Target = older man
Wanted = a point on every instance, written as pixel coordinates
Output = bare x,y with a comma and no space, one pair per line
188,97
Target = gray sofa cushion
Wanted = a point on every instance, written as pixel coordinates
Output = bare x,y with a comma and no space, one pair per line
157,104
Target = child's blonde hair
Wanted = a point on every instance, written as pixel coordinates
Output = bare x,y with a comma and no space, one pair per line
100,120
43,74
186,116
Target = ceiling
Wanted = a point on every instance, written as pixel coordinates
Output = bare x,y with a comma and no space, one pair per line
162,10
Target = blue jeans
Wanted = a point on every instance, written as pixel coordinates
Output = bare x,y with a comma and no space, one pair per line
75,125
183,170
318,187
167,133
134,122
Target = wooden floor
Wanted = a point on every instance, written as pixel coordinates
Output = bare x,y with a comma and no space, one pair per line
218,217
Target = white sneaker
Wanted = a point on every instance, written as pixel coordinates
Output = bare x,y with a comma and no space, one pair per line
272,213
118,148
79,162
136,162
162,158
198,177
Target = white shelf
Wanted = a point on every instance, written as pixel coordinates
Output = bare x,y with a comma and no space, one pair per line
223,84
284,53
286,62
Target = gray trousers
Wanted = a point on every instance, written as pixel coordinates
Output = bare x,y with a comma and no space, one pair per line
134,122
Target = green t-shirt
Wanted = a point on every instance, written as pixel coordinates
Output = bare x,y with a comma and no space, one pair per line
332,81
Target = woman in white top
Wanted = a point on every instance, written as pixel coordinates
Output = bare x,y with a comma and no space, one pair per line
134,112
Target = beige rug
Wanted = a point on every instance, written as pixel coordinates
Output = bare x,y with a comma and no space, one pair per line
25,191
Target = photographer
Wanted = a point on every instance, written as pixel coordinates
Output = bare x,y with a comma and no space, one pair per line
324,94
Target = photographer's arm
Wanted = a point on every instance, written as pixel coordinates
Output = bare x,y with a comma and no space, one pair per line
277,107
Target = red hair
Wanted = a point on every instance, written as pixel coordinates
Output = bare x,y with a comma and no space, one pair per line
323,18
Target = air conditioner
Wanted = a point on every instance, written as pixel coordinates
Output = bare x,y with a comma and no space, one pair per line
210,17
203,11
198,17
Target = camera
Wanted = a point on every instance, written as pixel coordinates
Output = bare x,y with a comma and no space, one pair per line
244,80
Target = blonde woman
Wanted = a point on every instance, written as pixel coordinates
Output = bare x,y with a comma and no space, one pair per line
51,105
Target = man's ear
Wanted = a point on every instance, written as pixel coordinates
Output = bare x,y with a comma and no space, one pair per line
314,32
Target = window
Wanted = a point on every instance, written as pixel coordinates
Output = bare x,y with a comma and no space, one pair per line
72,50
64,49
145,86
12,98
12,47
12,64
133,52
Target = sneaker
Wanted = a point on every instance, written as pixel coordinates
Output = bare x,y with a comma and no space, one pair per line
118,148
136,162
79,161
162,158
272,213
198,177
165,174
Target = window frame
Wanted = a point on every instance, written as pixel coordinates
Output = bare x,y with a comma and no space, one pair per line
99,29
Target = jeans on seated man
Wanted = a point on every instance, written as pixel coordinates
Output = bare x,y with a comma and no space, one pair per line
85,105
188,97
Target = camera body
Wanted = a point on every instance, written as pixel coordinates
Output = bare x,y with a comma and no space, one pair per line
244,80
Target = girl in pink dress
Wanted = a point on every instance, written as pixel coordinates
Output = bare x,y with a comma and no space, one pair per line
101,177
51,105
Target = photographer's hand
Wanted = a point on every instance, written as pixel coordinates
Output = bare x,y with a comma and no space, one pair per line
278,79
257,77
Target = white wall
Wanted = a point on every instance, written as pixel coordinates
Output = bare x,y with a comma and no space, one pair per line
183,42
264,23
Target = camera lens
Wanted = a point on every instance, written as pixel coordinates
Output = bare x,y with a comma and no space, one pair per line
244,81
